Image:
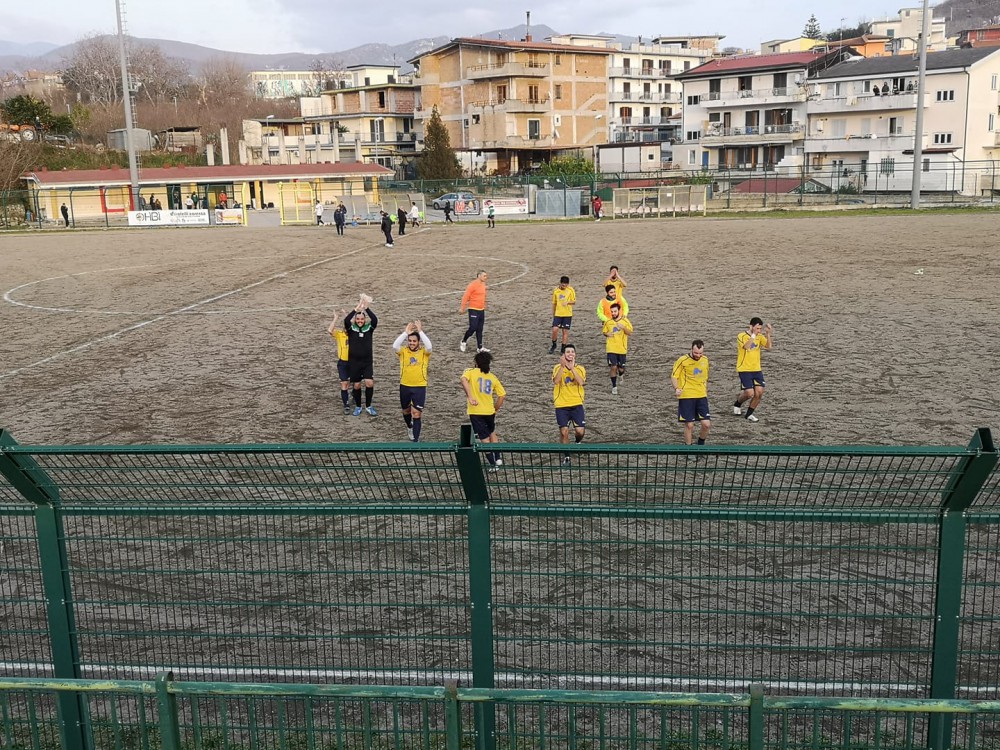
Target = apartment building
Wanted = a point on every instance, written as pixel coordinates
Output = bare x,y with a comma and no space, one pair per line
369,118
984,36
644,95
509,106
904,30
748,112
862,118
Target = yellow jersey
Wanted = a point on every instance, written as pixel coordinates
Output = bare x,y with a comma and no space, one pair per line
484,387
340,336
748,360
618,284
562,302
692,375
413,366
617,333
566,391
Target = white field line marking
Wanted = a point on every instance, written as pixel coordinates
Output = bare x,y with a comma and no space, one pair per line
164,316
8,295
431,676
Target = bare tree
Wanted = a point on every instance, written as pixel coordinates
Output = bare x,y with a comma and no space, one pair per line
327,73
224,81
93,72
15,159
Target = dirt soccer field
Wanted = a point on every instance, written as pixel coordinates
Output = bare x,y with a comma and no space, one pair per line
884,328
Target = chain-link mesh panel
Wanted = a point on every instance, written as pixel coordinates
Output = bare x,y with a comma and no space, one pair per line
661,603
979,636
24,647
748,479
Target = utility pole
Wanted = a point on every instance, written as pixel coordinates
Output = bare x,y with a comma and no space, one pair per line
918,138
133,164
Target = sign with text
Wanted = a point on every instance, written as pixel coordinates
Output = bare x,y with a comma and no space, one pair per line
170,218
228,216
507,205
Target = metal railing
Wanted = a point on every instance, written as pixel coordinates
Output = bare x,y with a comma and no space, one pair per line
714,132
172,715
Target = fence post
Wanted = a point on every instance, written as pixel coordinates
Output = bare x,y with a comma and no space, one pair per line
964,485
452,717
28,478
480,583
756,718
166,704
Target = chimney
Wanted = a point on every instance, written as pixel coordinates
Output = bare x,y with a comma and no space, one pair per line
527,28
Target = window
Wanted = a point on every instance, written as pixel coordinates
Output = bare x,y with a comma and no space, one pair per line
692,157
887,166
626,65
693,100
714,87
866,87
475,119
501,93
533,94
533,61
558,91
838,128
625,113
534,129
946,96
687,65
692,135
664,67
745,83
558,60
927,165
942,139
992,122
381,100
993,82
895,126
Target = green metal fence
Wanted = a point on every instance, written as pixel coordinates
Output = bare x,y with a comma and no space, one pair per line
868,572
172,715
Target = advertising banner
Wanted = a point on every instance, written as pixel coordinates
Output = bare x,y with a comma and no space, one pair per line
180,217
228,216
507,205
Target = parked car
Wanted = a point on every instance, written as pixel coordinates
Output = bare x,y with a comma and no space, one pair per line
438,203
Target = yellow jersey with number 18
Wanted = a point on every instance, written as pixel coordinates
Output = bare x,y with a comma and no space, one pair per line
483,387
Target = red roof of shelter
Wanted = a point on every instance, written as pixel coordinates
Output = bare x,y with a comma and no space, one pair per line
220,173
769,185
754,62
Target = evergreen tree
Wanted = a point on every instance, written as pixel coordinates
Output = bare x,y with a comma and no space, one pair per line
437,161
812,30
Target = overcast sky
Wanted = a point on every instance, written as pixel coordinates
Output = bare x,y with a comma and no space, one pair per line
325,26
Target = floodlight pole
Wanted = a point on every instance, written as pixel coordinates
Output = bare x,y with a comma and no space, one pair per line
918,138
133,165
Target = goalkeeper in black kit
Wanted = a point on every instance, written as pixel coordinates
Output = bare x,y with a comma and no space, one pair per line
360,324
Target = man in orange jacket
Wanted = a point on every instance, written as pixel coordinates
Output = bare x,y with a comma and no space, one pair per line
475,300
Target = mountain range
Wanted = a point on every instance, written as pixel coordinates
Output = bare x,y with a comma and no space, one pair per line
49,57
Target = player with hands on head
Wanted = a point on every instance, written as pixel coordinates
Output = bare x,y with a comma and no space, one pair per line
748,347
414,350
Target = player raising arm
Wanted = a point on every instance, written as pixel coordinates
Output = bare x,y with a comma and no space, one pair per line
414,350
748,346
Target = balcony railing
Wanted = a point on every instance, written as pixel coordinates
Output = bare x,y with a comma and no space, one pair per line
638,73
641,121
513,105
509,70
792,93
714,131
641,96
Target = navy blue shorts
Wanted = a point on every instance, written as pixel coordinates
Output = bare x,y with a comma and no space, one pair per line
483,425
413,394
616,360
562,321
692,410
574,414
343,370
750,379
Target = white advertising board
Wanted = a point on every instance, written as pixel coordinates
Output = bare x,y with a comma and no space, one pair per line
224,216
176,218
507,205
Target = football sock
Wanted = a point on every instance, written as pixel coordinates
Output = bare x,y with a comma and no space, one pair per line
344,396
737,403
408,418
416,428
369,392
749,411
701,441
614,382
579,438
357,397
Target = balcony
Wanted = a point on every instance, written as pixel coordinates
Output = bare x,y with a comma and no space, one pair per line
639,121
637,73
519,141
870,143
508,70
865,103
752,97
716,135
510,105
653,97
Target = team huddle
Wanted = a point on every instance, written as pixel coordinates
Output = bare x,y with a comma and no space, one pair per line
485,393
